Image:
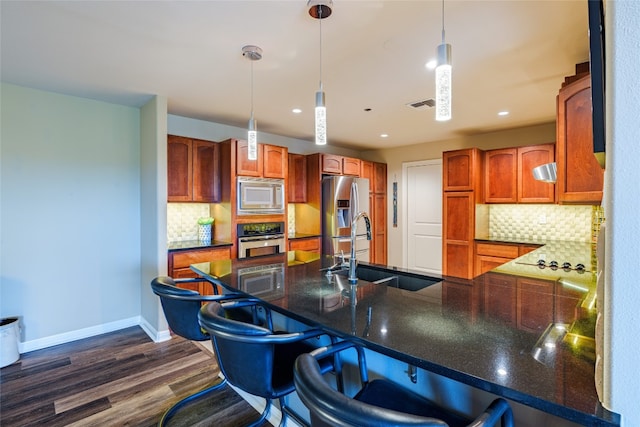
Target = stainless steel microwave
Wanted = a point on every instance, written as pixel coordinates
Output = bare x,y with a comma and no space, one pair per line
257,196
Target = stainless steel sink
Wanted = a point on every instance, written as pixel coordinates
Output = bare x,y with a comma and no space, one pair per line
391,278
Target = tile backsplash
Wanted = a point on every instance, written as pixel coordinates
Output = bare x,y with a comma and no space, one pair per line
541,222
182,220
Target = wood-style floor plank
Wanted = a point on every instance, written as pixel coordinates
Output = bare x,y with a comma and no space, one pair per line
117,379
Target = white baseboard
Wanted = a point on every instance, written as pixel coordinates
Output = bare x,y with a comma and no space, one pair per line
154,334
27,346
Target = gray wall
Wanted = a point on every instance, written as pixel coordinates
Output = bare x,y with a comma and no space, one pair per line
70,206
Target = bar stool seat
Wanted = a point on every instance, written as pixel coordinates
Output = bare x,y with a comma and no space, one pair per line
379,402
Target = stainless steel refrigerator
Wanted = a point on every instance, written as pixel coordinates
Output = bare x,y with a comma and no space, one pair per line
343,197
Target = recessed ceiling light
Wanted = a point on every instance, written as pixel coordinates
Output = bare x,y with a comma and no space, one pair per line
431,64
296,111
384,135
503,113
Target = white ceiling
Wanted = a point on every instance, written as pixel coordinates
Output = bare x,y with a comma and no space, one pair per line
507,55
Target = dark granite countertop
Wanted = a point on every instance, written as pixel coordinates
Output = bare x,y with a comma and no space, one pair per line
195,244
525,338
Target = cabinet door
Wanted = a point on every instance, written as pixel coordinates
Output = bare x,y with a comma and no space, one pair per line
461,170
179,263
206,171
379,244
244,166
379,178
297,183
274,161
350,166
501,175
580,177
179,169
366,171
331,164
458,221
485,263
530,190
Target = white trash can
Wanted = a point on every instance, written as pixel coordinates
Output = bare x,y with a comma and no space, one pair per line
9,337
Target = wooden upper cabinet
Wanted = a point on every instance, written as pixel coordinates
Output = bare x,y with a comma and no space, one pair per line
271,161
193,170
297,183
501,176
462,170
350,166
274,161
529,189
332,164
509,178
206,167
179,169
244,166
580,177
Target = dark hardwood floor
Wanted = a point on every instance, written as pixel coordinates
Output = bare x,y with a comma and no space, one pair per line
116,379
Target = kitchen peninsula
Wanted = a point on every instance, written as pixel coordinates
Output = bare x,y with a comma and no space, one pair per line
451,327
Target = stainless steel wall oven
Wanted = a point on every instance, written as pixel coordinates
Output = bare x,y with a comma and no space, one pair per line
265,238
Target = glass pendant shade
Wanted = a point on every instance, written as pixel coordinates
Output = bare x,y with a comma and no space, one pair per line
252,139
443,83
321,119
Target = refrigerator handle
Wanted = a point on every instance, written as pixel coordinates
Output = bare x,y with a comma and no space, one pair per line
356,198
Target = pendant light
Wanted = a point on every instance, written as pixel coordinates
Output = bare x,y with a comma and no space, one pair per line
252,53
443,79
320,10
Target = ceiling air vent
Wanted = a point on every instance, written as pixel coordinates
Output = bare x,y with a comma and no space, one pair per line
422,105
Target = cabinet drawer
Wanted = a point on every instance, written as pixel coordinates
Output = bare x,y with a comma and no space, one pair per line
497,250
184,259
305,245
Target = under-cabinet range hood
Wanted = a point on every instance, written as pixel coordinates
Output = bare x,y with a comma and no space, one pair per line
545,173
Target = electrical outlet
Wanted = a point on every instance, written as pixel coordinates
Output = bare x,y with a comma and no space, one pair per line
542,219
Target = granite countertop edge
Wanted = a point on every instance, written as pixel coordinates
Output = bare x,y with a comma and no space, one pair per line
195,244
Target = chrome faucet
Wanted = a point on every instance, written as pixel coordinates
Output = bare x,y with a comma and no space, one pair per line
352,259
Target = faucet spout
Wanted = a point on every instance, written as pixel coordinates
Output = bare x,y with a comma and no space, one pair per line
354,228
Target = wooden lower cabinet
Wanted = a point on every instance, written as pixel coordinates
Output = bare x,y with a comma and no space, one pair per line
311,244
179,263
458,222
492,255
378,246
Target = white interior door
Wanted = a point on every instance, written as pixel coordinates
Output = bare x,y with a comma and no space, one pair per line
423,207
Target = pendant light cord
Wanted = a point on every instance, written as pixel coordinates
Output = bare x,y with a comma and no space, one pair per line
320,19
251,89
442,21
